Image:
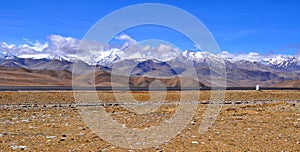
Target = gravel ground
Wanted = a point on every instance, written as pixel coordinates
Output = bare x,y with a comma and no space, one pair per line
271,126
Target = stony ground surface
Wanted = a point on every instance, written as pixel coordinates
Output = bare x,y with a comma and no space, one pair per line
248,127
42,97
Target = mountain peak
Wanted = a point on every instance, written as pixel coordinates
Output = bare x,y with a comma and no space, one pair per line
5,55
60,58
281,61
192,55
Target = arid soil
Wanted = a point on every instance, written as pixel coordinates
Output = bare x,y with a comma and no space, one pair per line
271,126
43,97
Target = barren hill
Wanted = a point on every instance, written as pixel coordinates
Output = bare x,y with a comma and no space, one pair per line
29,77
103,78
291,83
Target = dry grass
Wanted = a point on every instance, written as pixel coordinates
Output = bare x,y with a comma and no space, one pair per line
259,127
270,127
107,96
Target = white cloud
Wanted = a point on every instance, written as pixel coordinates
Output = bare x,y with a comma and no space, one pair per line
146,48
89,50
56,45
6,47
163,52
22,49
164,47
134,50
252,56
62,45
34,47
128,40
92,51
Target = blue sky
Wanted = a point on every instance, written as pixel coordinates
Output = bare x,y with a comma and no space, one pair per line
263,26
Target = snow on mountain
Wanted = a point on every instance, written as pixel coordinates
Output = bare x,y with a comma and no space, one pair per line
5,55
108,57
65,49
4,46
68,49
193,56
34,56
281,61
113,55
60,58
47,56
275,61
103,57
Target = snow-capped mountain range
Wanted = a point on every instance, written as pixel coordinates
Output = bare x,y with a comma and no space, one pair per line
240,71
282,62
62,53
111,56
68,49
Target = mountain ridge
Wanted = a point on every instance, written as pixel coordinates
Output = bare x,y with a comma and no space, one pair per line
263,71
